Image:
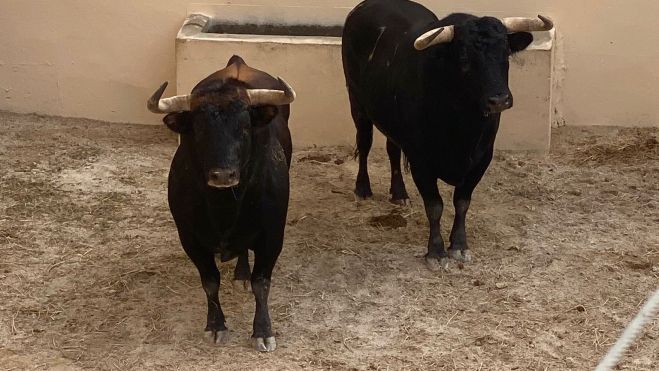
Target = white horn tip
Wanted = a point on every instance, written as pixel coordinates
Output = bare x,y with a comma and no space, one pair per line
423,41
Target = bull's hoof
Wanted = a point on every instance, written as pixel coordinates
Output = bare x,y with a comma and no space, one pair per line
363,197
463,256
436,264
466,256
265,344
242,286
363,192
217,337
400,202
443,262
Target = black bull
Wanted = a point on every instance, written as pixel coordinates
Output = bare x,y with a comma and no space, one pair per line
436,89
228,182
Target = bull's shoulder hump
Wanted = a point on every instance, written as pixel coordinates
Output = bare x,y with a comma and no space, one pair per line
256,79
237,69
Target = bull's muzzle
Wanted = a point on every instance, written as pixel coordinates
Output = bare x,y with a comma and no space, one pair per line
223,178
499,103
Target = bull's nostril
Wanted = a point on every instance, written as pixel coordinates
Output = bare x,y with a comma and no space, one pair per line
501,99
221,178
216,176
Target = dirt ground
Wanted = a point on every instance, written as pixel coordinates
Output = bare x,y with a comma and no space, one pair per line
92,275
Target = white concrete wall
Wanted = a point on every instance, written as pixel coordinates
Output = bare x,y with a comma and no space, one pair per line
313,66
100,59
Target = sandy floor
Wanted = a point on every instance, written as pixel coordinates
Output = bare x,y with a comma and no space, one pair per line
566,249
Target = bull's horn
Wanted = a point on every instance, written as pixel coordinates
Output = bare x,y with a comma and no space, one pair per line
262,97
435,36
520,24
167,105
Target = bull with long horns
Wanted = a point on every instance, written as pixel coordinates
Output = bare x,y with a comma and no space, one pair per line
228,182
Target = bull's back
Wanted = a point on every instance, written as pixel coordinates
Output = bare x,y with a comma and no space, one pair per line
374,34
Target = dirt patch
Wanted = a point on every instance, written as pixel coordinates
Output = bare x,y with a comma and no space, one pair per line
392,220
92,274
321,158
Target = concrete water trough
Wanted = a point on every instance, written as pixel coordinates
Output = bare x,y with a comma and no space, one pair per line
303,45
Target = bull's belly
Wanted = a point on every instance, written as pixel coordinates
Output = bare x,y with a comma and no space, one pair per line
231,245
454,180
225,254
457,170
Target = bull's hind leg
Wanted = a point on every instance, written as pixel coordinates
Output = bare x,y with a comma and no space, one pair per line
459,250
242,272
216,330
398,192
364,142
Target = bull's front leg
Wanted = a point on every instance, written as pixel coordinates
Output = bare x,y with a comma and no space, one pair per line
264,262
266,252
459,250
436,257
216,330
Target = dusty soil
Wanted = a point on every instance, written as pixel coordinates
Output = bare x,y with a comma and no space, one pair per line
92,275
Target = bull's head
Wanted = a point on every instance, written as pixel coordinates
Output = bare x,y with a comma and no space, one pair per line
477,55
218,120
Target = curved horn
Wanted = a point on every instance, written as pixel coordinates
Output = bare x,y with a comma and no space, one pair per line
262,97
167,105
520,24
435,36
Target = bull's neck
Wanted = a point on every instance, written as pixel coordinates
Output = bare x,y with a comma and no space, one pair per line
452,113
224,206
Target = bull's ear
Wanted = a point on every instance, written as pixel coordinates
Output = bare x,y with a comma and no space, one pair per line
179,122
262,115
519,41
